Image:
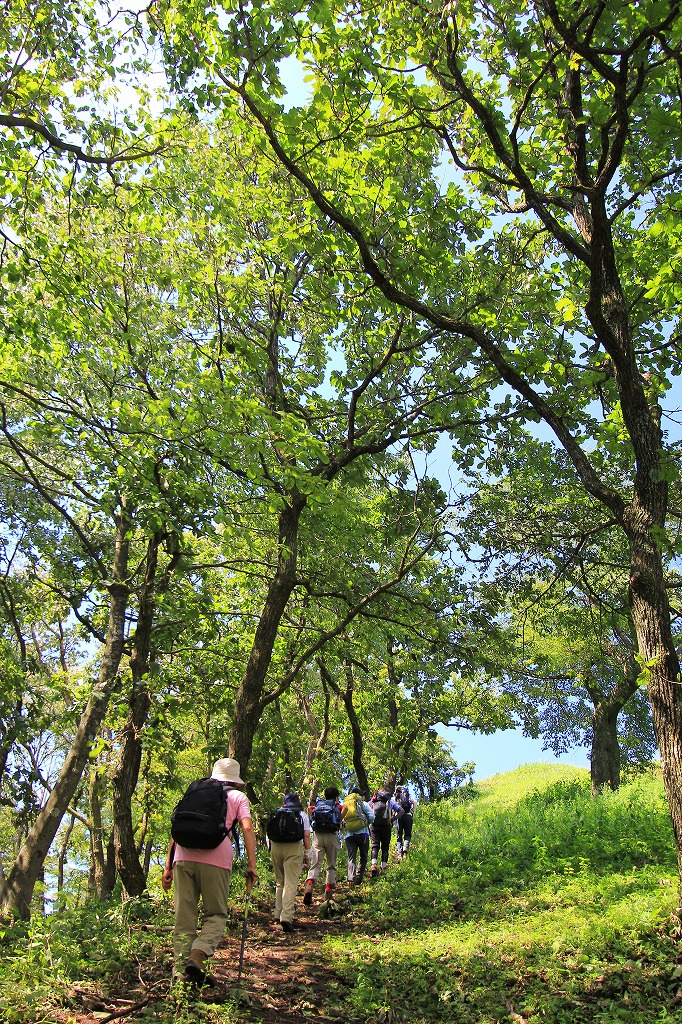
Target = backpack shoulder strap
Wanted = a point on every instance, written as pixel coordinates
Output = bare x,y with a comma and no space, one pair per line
229,788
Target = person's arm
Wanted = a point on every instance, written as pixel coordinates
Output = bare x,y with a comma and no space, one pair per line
250,846
167,876
307,855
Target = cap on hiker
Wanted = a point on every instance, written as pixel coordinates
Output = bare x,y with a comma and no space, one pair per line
292,800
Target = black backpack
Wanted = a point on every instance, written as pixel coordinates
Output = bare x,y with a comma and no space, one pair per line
198,820
326,817
404,801
285,825
380,805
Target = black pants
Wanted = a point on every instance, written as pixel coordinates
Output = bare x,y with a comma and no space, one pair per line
404,828
380,832
357,844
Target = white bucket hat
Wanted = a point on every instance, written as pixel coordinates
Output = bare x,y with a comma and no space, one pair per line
227,770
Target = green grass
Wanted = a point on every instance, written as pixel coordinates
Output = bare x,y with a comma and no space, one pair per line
532,902
528,903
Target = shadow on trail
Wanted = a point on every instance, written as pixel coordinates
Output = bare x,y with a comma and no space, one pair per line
286,977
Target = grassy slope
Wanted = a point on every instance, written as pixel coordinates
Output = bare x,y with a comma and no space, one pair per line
531,903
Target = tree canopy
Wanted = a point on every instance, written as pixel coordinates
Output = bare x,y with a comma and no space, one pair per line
235,328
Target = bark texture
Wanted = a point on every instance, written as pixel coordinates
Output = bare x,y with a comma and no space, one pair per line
102,865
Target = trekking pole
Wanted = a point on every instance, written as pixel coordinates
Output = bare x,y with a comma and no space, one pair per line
241,951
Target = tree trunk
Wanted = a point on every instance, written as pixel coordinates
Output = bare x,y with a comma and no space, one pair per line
356,731
142,837
605,753
651,616
285,751
358,740
393,739
22,877
643,521
5,750
125,779
127,770
63,851
318,741
102,866
247,705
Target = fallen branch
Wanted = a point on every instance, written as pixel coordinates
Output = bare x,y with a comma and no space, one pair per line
133,1008
512,1013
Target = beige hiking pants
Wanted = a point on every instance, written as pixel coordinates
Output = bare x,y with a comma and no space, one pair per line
194,881
287,861
325,844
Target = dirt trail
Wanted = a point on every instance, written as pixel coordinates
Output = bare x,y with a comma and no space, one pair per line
286,977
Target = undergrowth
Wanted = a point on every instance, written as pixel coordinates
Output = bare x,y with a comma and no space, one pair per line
549,907
530,902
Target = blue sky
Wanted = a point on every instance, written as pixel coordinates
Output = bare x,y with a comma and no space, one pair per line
506,750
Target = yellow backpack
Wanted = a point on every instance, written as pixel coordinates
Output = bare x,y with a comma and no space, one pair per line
354,820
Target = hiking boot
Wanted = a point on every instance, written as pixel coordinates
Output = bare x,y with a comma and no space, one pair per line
196,975
287,926
194,971
374,872
308,894
328,892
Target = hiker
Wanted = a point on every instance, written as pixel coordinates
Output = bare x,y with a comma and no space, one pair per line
204,874
357,815
404,820
385,809
288,830
325,822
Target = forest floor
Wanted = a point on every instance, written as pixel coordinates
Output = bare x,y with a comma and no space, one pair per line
286,977
533,903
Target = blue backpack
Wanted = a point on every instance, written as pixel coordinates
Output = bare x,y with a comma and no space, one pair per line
326,817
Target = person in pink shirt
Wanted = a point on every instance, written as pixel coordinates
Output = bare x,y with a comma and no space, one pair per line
205,875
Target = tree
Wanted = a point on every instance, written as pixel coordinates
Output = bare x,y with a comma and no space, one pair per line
190,389
438,774
25,871
557,282
50,407
576,681
553,572
58,65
